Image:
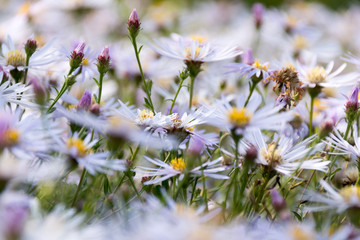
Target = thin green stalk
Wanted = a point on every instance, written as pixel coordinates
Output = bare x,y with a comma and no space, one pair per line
311,115
133,41
100,87
176,95
26,69
193,190
62,91
347,129
252,88
192,80
120,183
79,187
133,185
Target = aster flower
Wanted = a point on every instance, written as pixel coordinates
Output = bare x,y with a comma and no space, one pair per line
15,93
283,156
317,76
250,67
177,167
245,119
193,49
27,138
13,58
81,151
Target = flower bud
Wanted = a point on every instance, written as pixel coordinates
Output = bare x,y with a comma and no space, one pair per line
85,101
251,154
4,76
134,24
77,56
95,109
258,12
277,201
40,90
352,105
247,57
103,60
30,47
326,127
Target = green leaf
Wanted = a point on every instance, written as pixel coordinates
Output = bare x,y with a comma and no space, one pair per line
52,110
297,216
96,81
147,103
106,186
149,84
96,98
140,49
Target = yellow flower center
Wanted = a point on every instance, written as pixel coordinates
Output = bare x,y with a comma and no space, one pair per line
300,234
85,62
178,164
16,58
145,114
11,137
260,66
300,42
78,144
199,38
239,117
272,155
188,52
350,192
24,8
316,75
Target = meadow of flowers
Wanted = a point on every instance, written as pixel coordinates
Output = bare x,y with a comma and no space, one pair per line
179,120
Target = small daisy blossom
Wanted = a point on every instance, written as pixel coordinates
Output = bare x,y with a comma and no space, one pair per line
245,119
343,147
15,93
284,156
317,76
16,58
81,151
341,200
193,49
177,167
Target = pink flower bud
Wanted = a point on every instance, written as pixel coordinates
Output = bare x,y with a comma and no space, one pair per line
134,20
85,101
77,55
247,57
104,60
277,201
258,11
352,105
30,47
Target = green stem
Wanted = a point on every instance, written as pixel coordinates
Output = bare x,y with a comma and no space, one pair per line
120,183
133,185
26,69
252,88
192,80
347,130
176,95
100,87
311,115
133,41
79,187
62,91
193,190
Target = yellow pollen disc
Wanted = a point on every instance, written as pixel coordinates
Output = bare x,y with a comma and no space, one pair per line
16,58
316,75
260,66
11,137
300,42
350,192
85,62
145,114
239,117
300,234
24,9
199,38
188,52
272,155
191,128
178,164
78,144
319,104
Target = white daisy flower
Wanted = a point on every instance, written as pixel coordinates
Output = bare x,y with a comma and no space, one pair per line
315,75
193,49
15,93
81,151
339,200
245,119
177,167
343,147
284,156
